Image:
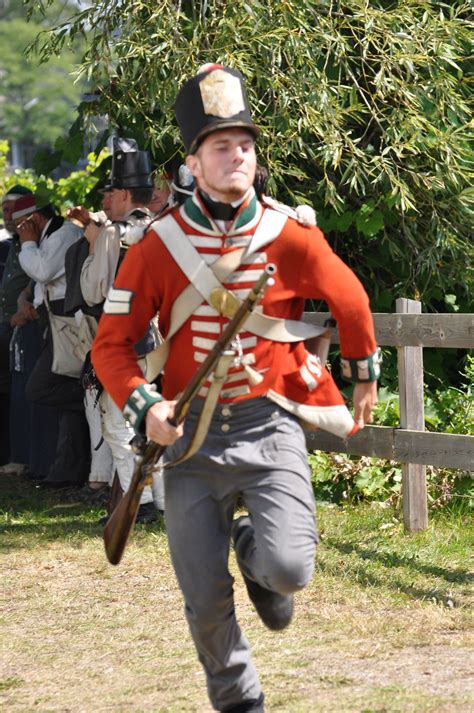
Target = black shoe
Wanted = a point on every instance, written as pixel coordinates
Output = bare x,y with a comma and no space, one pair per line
274,609
92,496
254,705
147,513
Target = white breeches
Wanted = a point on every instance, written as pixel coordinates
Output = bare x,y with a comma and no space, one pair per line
101,455
118,435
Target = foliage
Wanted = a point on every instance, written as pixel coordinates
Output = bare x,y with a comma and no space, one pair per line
3,164
454,407
66,192
450,409
57,11
363,105
338,477
38,103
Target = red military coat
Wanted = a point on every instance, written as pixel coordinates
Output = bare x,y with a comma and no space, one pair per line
150,280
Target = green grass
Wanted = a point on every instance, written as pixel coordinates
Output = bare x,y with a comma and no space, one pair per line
384,625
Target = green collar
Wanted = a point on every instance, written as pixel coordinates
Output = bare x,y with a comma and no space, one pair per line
196,215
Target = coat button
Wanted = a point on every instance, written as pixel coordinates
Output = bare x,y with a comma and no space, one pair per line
226,411
225,427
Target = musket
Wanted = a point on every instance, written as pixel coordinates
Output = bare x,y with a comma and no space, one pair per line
120,524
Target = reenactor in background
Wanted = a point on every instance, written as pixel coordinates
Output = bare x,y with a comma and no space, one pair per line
13,282
126,199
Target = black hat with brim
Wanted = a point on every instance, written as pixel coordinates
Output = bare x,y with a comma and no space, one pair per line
131,168
214,99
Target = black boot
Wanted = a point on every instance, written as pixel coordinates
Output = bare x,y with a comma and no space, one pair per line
147,513
274,609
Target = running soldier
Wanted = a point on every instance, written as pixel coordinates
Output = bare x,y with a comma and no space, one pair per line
255,450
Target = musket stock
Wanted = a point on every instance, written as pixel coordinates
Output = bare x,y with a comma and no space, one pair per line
120,524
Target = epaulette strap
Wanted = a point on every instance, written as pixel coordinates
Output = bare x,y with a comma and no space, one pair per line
138,403
362,370
279,207
304,214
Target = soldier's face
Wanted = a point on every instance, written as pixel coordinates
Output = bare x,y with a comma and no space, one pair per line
159,199
117,203
7,210
224,165
106,202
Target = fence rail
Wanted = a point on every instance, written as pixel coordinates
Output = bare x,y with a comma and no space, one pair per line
415,330
409,331
445,450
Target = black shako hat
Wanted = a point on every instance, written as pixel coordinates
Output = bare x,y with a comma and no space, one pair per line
214,99
131,168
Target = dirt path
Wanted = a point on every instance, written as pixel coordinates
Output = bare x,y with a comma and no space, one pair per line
81,636
384,626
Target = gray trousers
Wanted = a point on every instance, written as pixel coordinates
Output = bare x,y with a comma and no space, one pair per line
256,451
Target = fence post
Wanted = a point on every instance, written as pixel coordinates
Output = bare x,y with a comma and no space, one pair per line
410,378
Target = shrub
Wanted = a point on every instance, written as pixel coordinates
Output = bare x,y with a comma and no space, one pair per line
64,193
339,477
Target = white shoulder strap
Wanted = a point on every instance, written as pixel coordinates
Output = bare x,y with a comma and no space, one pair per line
268,229
203,279
185,255
199,274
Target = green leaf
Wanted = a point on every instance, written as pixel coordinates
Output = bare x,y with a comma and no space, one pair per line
44,161
369,223
344,221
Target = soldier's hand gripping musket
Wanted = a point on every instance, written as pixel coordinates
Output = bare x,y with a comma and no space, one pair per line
120,524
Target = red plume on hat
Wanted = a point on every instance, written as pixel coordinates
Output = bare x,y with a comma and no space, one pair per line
26,205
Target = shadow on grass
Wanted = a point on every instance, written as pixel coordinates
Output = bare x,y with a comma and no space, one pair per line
392,559
401,582
18,535
29,513
73,529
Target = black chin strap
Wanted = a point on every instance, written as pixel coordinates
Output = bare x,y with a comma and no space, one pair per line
218,210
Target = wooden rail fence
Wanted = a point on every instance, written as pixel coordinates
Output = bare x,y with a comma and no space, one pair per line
409,331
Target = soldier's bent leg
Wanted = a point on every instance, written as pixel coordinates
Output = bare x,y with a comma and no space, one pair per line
280,553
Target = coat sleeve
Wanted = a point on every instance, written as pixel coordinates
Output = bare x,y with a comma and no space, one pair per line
132,301
45,262
98,271
317,272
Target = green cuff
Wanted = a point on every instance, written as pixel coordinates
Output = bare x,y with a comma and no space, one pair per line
362,370
138,403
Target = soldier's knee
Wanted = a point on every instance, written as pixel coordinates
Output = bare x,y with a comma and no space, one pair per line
288,575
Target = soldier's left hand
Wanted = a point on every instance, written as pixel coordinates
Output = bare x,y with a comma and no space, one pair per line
364,398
